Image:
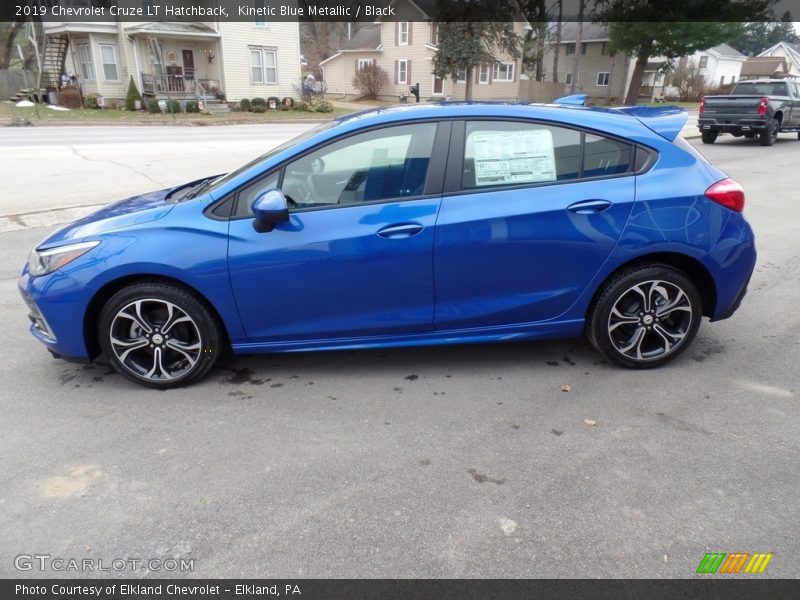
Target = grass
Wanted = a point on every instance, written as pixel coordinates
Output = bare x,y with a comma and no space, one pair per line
108,117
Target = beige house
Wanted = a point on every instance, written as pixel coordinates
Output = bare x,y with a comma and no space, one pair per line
179,60
405,49
601,75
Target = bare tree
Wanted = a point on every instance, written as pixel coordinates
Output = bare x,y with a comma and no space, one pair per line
558,40
688,80
576,57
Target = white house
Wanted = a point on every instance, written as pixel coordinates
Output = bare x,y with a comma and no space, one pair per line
179,60
789,52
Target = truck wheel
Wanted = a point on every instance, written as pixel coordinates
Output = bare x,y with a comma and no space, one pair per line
769,134
709,137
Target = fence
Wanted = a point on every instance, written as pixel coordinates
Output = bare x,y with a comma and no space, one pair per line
12,81
539,91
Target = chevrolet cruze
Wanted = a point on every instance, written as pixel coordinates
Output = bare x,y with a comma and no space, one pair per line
410,226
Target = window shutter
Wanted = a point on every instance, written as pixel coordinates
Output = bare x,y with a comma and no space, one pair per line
397,71
397,33
408,72
410,30
514,79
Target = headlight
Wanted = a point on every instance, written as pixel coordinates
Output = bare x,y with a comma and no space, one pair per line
46,261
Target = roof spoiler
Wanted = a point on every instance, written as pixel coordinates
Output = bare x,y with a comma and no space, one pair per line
573,100
666,121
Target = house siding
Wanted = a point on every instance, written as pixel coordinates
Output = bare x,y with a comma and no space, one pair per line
589,65
237,38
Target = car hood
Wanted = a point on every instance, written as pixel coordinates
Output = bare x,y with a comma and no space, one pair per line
125,213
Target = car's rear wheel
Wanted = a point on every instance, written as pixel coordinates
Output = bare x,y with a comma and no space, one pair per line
769,134
709,137
159,335
645,316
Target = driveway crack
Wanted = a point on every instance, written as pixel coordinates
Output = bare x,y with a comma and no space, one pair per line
124,166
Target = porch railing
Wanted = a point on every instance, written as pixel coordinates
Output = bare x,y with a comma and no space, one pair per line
178,86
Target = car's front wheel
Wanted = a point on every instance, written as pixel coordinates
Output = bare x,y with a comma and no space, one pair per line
159,335
645,316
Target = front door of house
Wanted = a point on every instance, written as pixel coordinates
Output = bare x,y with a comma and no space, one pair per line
188,63
438,85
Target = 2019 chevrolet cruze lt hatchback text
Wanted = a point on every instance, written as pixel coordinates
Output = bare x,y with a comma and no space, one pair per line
420,225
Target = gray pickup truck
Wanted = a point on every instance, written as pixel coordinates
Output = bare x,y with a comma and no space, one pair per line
758,107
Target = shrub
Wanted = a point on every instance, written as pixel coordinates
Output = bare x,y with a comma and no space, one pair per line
90,100
303,106
174,107
244,105
258,108
192,107
258,102
69,98
370,80
152,107
324,106
132,96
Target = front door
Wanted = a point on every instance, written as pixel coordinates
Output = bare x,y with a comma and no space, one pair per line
356,257
188,63
438,86
536,212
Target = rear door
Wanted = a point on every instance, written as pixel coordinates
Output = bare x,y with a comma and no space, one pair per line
530,213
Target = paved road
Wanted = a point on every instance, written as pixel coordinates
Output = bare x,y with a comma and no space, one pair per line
454,462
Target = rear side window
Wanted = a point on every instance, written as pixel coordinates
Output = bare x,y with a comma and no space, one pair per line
513,153
500,153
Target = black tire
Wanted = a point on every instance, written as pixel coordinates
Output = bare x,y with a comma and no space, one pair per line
159,335
709,137
630,323
769,134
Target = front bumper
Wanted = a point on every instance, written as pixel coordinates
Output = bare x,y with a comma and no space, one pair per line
56,308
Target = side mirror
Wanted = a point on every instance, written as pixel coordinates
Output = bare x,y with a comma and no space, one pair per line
269,209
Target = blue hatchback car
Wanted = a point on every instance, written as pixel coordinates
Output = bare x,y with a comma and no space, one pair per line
419,225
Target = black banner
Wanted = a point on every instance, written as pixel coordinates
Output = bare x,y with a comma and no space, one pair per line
402,589
100,11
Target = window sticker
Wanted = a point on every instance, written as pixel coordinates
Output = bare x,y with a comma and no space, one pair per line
507,157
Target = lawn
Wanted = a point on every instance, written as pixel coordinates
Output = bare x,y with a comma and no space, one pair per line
47,116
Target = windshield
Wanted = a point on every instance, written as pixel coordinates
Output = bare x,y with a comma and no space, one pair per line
276,150
761,89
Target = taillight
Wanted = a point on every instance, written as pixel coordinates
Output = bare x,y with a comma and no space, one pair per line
702,104
728,193
762,108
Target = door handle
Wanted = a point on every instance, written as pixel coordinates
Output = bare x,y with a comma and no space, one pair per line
586,207
402,230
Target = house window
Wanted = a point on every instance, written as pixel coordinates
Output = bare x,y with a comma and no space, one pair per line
503,72
604,49
570,49
85,59
108,57
263,65
402,71
584,46
402,33
461,75
434,34
568,78
259,20
703,62
602,79
483,76
364,62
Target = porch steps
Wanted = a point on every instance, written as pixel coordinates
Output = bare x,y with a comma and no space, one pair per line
54,59
217,107
24,94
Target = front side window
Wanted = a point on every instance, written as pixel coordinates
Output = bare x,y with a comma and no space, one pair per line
108,57
602,79
461,75
570,49
503,72
364,62
382,164
263,65
484,74
85,58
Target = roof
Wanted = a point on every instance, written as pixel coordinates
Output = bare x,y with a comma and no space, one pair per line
366,38
763,65
173,28
725,51
592,32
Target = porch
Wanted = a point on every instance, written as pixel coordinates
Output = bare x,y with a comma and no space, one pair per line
178,86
